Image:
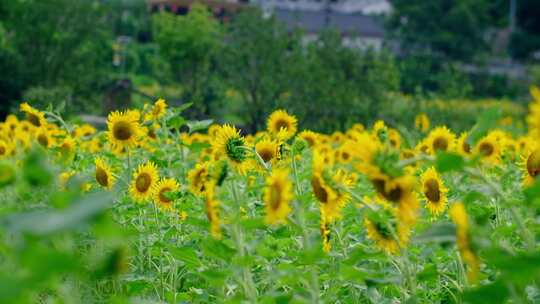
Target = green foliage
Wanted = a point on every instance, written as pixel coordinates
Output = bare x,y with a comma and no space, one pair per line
188,44
452,29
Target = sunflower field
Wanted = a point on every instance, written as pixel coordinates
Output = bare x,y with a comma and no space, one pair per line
156,208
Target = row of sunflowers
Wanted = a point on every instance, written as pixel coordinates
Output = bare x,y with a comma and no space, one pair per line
364,215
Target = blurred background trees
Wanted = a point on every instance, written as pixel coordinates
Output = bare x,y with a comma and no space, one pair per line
96,55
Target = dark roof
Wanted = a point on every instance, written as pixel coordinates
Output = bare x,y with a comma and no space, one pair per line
316,21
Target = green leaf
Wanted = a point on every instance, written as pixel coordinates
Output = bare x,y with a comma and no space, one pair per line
42,223
493,293
176,122
214,277
438,233
217,249
197,125
186,255
446,162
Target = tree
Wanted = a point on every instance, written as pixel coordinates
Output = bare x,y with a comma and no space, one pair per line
452,29
59,43
255,62
333,86
188,43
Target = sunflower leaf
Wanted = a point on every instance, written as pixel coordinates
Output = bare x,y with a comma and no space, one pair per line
446,162
197,125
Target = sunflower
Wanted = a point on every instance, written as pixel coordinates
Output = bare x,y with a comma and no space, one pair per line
34,116
331,190
143,181
44,138
309,136
385,229
463,146
229,142
530,164
398,191
440,139
5,148
124,129
67,148
268,150
434,191
104,174
458,214
489,150
281,121
198,177
212,210
394,138
344,154
277,195
83,131
421,122
159,109
162,192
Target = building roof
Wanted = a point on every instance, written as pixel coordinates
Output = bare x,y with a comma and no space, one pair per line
316,21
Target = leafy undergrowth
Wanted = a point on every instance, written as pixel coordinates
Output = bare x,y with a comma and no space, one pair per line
157,208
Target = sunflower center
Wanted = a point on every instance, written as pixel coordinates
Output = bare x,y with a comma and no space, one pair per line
466,147
66,148
310,140
275,196
143,182
163,197
320,192
282,123
383,231
102,177
152,134
432,191
345,156
440,143
3,150
533,163
122,130
266,154
486,149
43,140
394,195
33,119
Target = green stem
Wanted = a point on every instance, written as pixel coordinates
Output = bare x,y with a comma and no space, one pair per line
247,280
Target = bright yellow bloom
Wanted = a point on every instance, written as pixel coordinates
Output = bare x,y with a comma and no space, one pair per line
144,179
310,137
277,195
268,150
440,139
229,142
198,178
162,192
34,116
280,120
434,192
123,129
104,174
421,122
